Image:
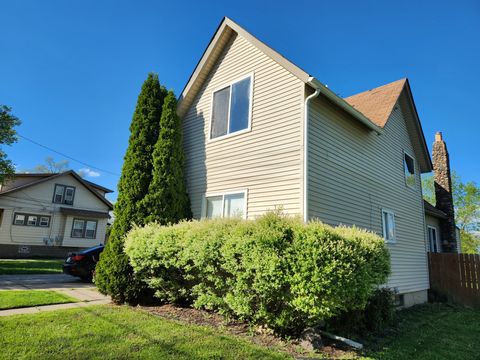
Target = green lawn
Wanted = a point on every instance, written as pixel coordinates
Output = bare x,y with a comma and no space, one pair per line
108,332
11,299
8,267
433,331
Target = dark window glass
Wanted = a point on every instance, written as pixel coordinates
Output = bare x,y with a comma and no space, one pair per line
220,109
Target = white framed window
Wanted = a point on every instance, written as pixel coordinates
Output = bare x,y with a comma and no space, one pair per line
19,219
231,109
32,220
433,242
388,224
82,228
409,168
90,229
63,194
77,228
44,221
228,204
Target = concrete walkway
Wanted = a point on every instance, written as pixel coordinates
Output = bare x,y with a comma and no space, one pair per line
86,293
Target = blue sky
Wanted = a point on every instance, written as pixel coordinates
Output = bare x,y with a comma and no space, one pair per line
72,70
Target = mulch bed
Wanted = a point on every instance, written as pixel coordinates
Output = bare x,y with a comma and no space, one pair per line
260,336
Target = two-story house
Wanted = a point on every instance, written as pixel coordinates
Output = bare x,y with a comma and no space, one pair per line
51,214
261,133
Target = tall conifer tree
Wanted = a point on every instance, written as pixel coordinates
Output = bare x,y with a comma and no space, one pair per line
167,200
114,275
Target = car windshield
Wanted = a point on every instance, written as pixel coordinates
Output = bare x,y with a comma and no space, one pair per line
92,250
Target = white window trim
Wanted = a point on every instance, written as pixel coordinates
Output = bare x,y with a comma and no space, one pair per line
223,194
439,249
391,212
239,132
414,186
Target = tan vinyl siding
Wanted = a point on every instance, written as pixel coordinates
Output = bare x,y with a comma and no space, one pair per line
354,173
267,160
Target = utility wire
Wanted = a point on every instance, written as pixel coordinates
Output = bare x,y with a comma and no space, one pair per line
68,157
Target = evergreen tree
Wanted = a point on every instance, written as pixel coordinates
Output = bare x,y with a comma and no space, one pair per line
114,275
167,200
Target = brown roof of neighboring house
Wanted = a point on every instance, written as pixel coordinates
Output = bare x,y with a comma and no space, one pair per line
377,104
42,178
433,211
45,175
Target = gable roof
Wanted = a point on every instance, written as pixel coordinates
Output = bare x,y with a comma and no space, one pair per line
372,108
433,211
223,33
377,104
40,178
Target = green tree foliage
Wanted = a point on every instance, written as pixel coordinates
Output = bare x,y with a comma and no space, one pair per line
470,242
274,270
167,200
8,136
466,200
114,275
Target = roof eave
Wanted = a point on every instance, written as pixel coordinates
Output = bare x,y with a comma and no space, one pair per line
337,100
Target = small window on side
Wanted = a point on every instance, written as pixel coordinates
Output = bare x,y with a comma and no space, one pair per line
44,221
433,239
19,219
388,223
409,167
1,216
32,220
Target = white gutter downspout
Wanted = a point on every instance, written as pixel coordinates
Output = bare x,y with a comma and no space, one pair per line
305,154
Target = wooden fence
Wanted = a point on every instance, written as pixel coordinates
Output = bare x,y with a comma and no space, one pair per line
455,277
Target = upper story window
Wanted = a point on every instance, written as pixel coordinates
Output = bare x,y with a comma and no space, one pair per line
231,109
226,205
409,167
64,194
388,224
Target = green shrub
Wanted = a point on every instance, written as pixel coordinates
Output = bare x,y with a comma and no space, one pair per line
377,315
274,270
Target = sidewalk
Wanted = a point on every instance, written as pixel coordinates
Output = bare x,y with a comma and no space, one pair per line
86,293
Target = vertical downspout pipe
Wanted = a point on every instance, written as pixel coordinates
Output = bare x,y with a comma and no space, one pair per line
305,153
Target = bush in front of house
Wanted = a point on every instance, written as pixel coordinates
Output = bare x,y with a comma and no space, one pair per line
274,271
376,317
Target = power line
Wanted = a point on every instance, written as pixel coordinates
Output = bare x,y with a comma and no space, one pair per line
68,157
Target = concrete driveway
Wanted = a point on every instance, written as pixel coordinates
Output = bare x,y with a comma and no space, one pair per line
86,293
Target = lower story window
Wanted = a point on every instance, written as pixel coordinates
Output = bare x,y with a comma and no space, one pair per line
226,205
84,228
31,220
388,223
433,239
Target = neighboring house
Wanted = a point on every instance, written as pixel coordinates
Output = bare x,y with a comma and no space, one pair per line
260,133
51,214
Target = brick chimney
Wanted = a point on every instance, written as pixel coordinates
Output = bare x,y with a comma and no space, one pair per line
443,193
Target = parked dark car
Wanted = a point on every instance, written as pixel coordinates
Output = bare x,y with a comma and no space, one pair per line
83,264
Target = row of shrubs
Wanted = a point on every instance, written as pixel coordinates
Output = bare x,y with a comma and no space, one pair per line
276,270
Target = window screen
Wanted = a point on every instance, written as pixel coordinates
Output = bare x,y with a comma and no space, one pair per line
214,206
240,106
90,229
77,230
